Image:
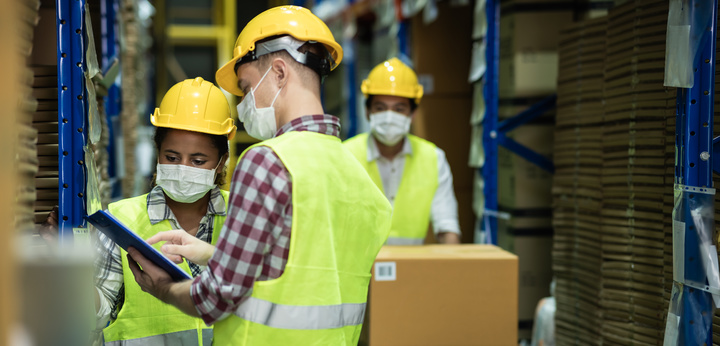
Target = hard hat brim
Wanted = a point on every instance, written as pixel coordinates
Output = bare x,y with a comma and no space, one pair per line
230,135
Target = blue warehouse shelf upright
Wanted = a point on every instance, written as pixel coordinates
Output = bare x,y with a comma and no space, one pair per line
695,276
78,122
72,115
696,287
494,131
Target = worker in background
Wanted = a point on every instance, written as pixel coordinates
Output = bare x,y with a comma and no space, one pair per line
412,172
305,222
193,125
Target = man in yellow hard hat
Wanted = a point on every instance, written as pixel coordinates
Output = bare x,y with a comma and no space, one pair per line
412,172
305,222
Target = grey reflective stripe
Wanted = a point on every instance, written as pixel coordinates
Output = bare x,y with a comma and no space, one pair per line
404,241
184,338
299,316
207,336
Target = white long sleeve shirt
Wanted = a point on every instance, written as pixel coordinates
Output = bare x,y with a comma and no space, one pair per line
443,211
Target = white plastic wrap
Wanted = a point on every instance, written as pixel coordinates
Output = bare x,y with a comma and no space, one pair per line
478,65
693,211
687,20
479,20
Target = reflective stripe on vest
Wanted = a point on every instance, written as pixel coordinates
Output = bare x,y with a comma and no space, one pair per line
340,220
301,317
404,241
185,337
413,201
143,317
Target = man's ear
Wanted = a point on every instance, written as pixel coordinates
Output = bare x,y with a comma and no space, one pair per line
281,69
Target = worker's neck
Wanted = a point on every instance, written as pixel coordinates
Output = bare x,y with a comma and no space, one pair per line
297,103
389,151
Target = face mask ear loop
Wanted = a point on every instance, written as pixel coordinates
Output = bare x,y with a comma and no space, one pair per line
252,90
276,95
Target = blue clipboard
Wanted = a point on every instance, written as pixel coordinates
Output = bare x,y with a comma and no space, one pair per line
126,238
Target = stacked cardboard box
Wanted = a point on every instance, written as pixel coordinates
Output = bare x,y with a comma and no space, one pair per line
45,118
444,112
524,193
576,184
528,72
45,122
26,152
634,178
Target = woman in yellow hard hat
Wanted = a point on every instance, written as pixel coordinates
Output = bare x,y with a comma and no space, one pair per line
412,172
193,126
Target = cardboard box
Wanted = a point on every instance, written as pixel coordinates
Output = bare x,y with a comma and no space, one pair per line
522,184
535,268
442,50
528,73
442,295
533,31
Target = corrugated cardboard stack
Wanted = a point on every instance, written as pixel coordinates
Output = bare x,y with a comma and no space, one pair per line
528,71
45,122
441,53
576,183
634,178
45,118
26,153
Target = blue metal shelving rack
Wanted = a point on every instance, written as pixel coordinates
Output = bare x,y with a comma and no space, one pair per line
694,166
494,132
72,115
110,52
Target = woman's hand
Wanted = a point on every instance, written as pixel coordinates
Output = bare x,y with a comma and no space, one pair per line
179,244
49,229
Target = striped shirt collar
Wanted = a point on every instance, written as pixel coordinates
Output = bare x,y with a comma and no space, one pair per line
373,152
158,210
320,123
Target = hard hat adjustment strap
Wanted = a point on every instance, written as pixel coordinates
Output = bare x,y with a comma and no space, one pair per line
321,65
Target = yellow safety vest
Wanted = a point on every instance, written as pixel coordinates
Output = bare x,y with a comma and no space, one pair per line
143,319
340,221
413,201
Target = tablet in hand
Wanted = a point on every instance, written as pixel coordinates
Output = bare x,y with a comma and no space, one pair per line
126,238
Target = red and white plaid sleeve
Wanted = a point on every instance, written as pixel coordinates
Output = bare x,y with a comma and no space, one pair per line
255,240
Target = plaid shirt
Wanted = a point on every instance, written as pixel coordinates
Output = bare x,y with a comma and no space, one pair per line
255,240
108,264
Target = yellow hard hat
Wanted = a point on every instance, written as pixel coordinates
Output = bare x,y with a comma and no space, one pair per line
195,105
294,21
392,77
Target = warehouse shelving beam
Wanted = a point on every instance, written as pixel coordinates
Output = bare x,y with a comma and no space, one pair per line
494,133
693,168
71,115
110,52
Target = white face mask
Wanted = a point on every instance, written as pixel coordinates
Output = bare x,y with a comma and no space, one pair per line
389,127
185,184
259,122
